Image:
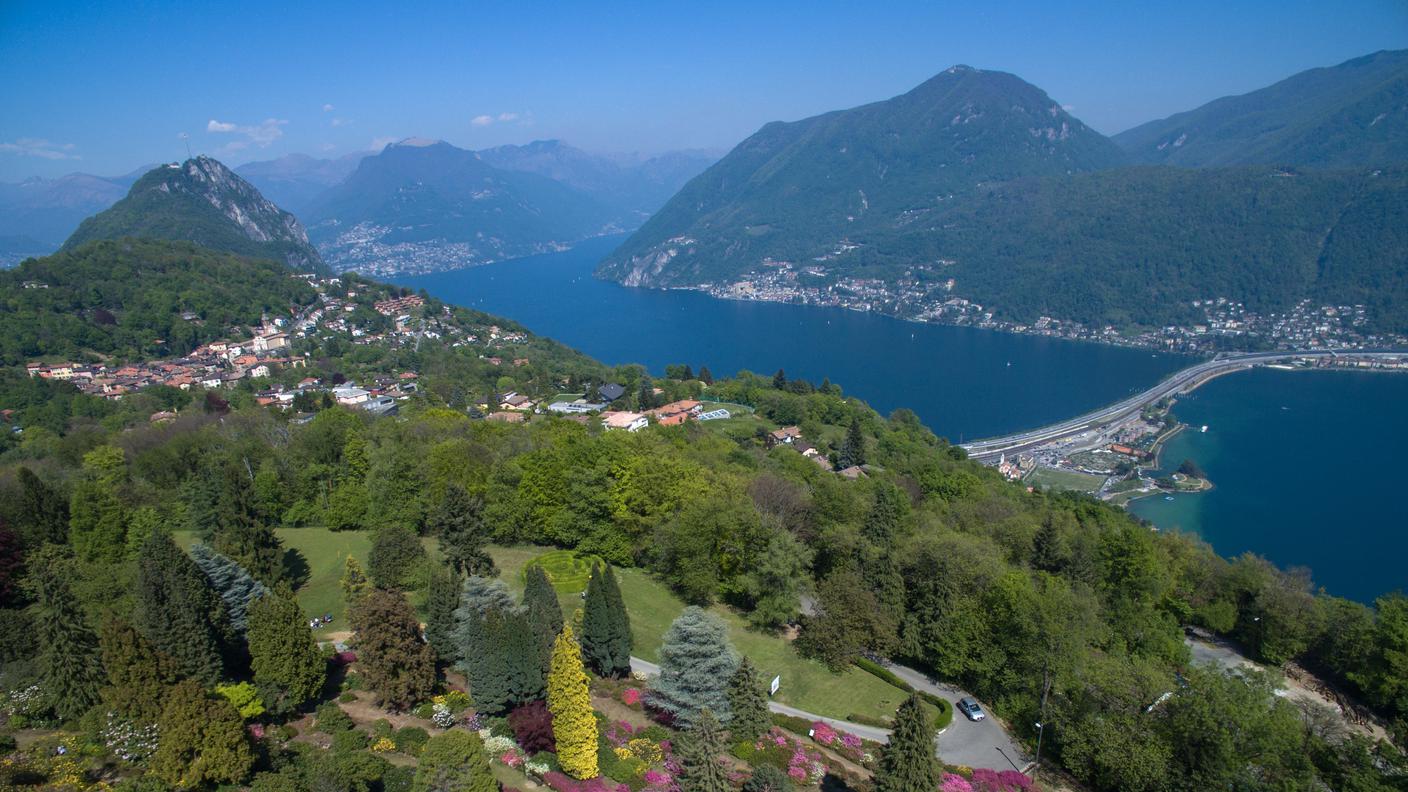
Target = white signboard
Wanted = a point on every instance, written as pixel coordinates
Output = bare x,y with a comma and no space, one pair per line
776,683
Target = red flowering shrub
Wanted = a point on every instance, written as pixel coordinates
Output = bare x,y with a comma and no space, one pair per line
532,728
631,697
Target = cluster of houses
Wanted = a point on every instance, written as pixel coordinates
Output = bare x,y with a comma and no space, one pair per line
214,365
1015,469
791,437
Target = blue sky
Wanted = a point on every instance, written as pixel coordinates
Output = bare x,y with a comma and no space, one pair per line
107,87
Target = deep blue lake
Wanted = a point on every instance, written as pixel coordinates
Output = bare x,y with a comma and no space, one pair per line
963,382
1314,484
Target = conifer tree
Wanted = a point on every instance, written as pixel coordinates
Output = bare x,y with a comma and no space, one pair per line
706,376
779,380
852,448
399,667
748,702
696,663
177,610
140,676
354,582
525,658
766,778
288,669
42,514
543,610
482,639
11,563
700,769
238,531
454,762
68,648
236,587
1047,553
606,628
687,374
441,602
907,762
459,522
202,740
569,701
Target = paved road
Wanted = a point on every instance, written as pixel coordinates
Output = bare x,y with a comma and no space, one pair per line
1185,379
982,744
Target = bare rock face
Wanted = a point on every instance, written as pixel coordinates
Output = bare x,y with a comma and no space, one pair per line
205,202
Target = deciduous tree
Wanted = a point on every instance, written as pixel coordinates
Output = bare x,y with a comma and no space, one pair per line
396,550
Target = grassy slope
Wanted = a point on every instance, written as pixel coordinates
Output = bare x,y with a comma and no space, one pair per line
805,683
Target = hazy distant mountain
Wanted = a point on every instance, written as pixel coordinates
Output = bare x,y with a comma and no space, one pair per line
203,201
47,210
804,189
976,185
424,205
295,180
633,184
1351,115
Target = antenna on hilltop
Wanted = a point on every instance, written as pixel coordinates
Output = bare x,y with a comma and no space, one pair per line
187,139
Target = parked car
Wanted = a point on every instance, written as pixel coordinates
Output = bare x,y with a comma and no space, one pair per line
970,708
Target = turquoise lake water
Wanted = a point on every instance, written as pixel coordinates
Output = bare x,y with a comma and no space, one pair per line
1306,464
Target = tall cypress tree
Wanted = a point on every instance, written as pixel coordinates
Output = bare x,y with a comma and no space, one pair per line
907,762
748,702
569,701
700,769
178,611
441,602
68,648
459,522
542,608
288,669
606,627
236,587
696,662
525,658
482,639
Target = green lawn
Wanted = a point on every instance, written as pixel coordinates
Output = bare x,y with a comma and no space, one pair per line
805,683
1049,478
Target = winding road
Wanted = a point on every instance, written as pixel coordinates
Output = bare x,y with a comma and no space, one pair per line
985,743
1184,380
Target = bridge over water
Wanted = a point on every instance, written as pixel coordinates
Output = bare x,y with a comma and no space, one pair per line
1180,382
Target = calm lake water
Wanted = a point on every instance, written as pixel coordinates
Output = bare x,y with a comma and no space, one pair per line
964,383
1307,470
1316,483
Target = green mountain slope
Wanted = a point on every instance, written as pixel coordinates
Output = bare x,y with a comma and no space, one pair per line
126,298
798,190
203,201
1138,245
1351,115
422,205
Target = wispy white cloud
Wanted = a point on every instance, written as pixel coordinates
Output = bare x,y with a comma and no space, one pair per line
501,118
327,146
39,147
341,122
327,108
262,134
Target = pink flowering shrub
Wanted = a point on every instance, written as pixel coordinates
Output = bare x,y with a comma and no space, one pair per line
563,783
512,758
1004,781
631,697
844,743
823,733
619,733
954,783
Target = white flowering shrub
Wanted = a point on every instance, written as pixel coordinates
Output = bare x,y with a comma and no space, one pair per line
496,744
442,716
129,741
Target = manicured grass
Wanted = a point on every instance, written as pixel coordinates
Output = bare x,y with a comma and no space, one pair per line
324,552
806,684
567,572
1048,478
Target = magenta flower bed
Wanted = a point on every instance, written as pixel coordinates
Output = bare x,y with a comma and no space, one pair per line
995,781
844,743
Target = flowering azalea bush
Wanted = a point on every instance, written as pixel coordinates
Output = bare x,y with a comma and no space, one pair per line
512,758
953,782
631,697
442,716
1000,781
844,743
801,763
127,740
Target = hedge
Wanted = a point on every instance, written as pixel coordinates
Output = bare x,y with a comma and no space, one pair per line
945,714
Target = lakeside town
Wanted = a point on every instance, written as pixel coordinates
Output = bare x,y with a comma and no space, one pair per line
918,296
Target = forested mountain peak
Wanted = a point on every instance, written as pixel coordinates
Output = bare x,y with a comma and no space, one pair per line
204,202
1354,114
